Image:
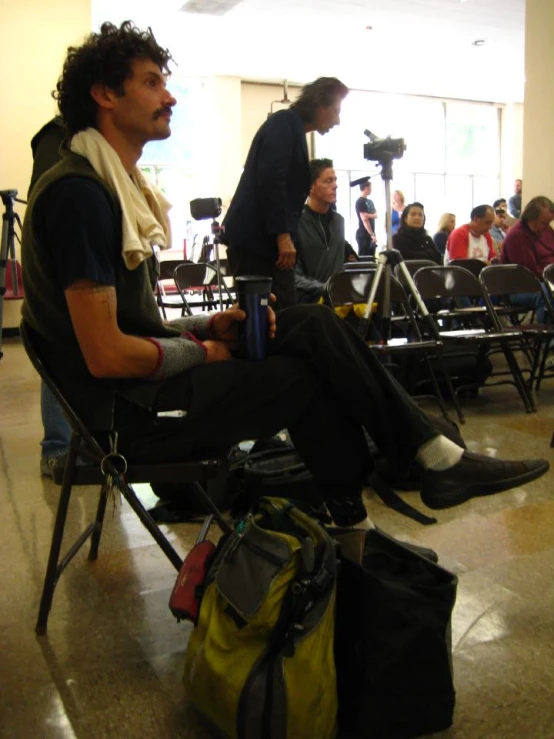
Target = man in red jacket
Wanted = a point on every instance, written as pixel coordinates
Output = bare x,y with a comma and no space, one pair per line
472,240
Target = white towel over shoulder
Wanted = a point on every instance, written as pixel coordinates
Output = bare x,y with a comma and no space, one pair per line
145,209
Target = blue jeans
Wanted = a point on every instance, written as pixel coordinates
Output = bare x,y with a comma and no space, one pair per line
57,430
530,301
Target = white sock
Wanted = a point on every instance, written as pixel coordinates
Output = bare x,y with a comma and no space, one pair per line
439,454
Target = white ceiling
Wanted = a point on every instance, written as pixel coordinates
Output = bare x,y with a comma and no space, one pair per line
415,46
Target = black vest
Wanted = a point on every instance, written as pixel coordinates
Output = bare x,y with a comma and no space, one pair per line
45,308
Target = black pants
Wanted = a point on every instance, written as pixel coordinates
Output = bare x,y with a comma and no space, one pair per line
321,382
244,262
366,245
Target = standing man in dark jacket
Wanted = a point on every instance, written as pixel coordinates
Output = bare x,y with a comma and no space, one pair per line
262,221
321,247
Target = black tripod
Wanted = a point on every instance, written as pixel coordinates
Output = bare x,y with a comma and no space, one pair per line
7,249
388,259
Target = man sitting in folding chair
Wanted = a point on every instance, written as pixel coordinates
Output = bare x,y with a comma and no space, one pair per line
173,389
321,248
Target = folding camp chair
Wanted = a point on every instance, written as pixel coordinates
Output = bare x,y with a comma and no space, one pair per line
100,464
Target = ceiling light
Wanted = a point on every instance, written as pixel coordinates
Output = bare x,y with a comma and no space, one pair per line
479,42
209,7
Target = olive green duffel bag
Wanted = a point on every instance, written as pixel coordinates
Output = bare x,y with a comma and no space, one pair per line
259,663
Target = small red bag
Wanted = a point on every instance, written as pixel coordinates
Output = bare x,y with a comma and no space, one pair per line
186,595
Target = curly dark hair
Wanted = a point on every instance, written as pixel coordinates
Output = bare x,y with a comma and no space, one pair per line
104,58
323,92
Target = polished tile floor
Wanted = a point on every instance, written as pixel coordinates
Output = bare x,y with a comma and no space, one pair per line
112,661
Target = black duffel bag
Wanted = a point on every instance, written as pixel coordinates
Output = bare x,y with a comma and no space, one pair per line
393,640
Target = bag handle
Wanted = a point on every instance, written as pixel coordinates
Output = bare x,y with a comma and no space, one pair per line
392,500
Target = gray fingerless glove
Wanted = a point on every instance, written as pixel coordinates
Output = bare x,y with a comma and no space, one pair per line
198,325
176,355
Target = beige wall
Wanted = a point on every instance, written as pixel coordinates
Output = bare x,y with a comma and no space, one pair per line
34,36
538,145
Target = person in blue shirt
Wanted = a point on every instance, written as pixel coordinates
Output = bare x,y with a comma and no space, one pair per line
398,201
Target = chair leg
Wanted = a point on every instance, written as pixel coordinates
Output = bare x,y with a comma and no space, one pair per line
97,533
542,368
151,526
518,378
435,385
451,391
53,569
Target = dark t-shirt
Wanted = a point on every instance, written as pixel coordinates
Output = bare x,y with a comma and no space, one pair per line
365,205
75,218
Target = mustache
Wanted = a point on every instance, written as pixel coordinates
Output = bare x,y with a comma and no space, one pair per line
162,111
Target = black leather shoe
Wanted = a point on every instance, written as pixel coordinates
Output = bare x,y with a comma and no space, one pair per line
476,475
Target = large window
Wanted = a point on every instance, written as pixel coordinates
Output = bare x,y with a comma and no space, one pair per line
175,164
451,162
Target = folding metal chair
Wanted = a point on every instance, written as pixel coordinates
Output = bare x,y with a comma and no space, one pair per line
480,325
475,266
359,266
502,281
548,279
100,464
198,287
413,265
167,293
353,287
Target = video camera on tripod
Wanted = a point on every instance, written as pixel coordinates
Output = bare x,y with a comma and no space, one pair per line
384,151
202,209
7,251
380,150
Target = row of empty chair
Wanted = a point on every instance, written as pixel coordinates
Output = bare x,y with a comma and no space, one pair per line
468,310
187,286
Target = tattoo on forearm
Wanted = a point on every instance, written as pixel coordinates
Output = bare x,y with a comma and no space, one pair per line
104,295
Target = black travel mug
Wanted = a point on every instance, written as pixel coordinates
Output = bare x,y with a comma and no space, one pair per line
253,292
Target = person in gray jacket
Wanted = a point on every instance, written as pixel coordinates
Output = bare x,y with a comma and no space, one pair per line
321,247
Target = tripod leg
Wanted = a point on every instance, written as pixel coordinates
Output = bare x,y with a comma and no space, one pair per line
366,320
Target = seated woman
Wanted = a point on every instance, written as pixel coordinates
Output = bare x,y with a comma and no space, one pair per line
446,225
411,239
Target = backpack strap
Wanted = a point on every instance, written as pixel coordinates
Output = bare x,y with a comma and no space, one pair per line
392,500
